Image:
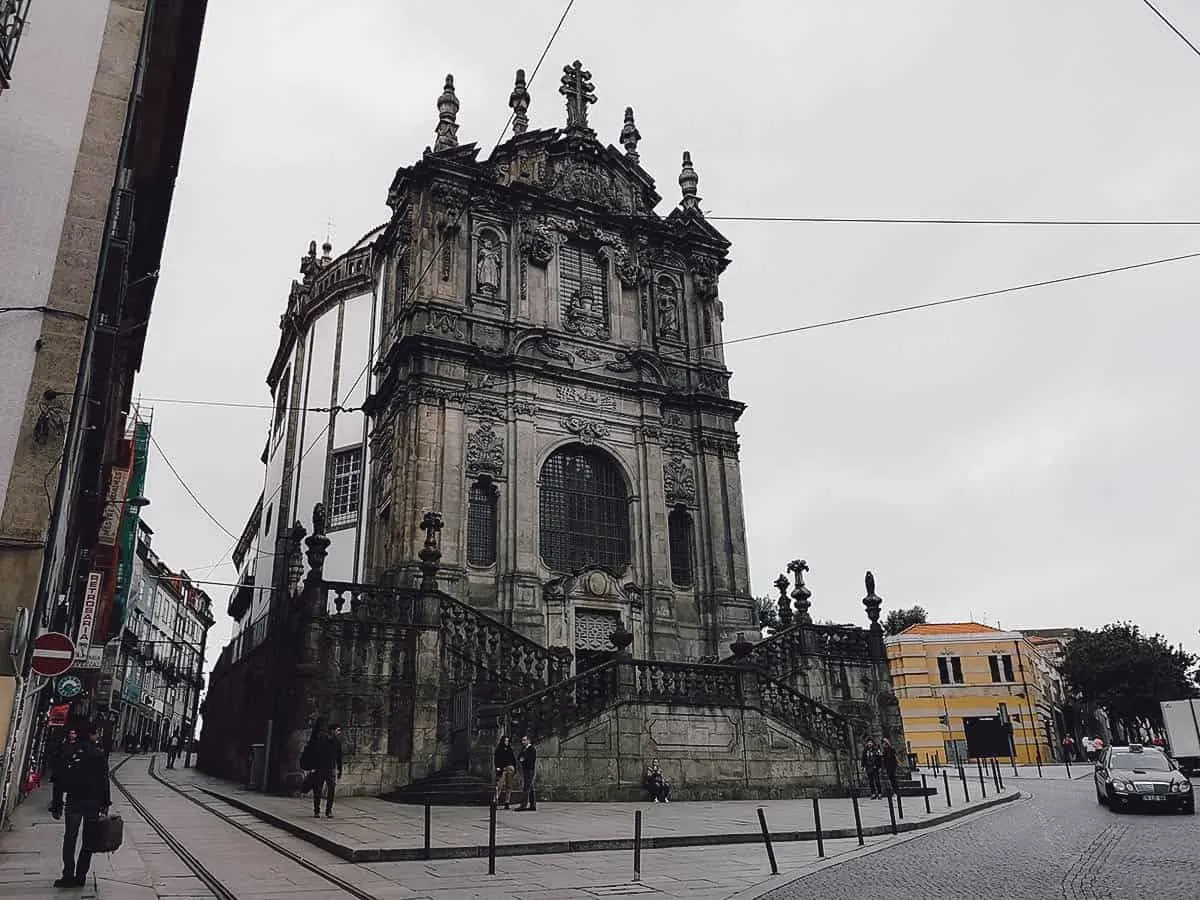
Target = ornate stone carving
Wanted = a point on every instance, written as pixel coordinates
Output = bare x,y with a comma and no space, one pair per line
704,277
679,480
577,87
628,269
537,243
622,361
488,267
518,101
485,451
447,127
586,429
524,407
801,593
668,309
444,323
585,397
585,315
676,377
678,444
588,353
872,602
485,408
688,180
714,383
630,136
578,179
552,348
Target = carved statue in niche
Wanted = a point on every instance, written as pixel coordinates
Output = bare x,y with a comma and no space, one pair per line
668,309
487,266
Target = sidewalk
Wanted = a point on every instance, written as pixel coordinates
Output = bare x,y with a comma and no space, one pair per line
366,829
1049,771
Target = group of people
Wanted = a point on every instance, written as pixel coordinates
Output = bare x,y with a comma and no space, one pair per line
1089,750
507,761
877,762
173,745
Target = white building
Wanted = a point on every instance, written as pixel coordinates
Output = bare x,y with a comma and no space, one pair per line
316,442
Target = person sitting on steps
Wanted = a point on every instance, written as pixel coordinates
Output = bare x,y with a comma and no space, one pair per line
657,785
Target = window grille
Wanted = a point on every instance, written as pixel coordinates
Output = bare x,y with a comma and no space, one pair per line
13,15
345,485
582,283
481,524
584,511
679,534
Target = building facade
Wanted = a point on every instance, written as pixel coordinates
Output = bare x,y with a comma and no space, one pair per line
968,690
510,408
159,672
91,124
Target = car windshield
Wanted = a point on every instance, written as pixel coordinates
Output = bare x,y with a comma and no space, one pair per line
1151,762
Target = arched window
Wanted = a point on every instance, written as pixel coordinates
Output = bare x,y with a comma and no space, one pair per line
584,511
679,536
481,523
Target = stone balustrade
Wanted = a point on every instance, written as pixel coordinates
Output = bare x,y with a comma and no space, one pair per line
505,654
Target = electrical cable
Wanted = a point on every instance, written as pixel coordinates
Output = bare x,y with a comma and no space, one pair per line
187,488
883,220
1167,22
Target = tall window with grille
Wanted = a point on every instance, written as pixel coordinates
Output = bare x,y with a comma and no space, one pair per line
583,511
582,284
679,536
481,523
345,486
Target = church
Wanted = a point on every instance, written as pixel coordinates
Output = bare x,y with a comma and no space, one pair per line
510,406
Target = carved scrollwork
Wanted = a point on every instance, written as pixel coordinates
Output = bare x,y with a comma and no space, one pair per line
485,451
714,383
485,408
589,354
679,481
552,348
628,269
444,323
537,244
588,430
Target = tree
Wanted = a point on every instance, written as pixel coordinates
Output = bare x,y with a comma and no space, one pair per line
767,609
1128,673
899,619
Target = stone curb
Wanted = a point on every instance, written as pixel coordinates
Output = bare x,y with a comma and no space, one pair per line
472,851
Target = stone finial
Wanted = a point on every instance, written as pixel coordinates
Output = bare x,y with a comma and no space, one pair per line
785,605
318,547
518,102
309,264
326,252
447,126
630,136
621,638
688,181
741,647
801,594
431,552
578,89
318,518
872,602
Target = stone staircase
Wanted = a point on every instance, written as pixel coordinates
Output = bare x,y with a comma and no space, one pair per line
448,788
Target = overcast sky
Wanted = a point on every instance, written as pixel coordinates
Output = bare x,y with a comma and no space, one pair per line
1027,460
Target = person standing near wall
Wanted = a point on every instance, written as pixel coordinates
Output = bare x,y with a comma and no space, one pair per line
528,760
84,781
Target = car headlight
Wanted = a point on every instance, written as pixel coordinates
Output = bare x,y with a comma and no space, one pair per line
1120,786
1185,787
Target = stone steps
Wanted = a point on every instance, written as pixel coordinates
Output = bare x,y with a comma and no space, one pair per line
446,789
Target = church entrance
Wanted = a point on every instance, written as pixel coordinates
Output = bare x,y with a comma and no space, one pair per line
592,632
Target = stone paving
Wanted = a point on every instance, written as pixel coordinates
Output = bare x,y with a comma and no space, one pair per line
146,867
366,829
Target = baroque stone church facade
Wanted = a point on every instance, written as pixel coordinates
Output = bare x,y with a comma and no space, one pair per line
529,518
550,377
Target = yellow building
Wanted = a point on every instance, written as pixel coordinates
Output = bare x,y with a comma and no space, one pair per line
968,690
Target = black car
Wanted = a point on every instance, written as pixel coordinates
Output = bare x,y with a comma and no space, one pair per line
1137,777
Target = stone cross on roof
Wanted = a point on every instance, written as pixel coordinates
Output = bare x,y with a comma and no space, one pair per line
577,87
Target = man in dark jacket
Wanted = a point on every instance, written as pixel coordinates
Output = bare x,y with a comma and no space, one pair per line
84,780
325,756
528,761
872,762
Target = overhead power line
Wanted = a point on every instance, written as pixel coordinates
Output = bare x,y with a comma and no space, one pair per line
187,488
917,220
1183,37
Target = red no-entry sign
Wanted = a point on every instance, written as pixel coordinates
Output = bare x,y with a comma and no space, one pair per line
53,654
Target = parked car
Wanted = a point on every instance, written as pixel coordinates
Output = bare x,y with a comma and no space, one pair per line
1137,777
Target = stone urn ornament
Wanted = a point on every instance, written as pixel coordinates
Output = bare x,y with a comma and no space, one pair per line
621,638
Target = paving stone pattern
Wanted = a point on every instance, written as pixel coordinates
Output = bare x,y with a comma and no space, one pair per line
1059,844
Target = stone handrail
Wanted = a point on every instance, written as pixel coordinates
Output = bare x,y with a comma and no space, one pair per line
370,601
694,683
562,705
802,713
502,651
783,652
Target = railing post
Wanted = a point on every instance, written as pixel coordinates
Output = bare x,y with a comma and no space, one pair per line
982,783
857,818
925,793
817,821
492,838
762,821
946,785
962,773
427,830
637,845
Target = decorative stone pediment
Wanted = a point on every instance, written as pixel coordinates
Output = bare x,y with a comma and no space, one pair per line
590,585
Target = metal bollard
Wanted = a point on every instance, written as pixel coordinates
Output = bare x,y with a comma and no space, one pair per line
817,820
892,814
999,777
492,839
857,818
962,773
427,830
995,769
925,793
762,821
982,783
899,805
637,845
946,784
1016,774
1038,760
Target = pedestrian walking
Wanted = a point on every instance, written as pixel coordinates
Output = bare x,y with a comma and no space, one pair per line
1089,748
1068,748
872,762
528,760
505,761
83,781
323,758
890,764
173,747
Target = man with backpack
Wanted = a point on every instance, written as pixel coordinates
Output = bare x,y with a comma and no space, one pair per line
321,758
84,780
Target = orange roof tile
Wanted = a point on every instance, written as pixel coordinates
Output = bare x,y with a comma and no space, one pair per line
948,628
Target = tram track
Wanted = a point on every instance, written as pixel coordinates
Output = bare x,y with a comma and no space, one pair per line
211,881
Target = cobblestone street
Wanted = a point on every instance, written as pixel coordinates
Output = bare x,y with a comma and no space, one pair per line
1060,843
